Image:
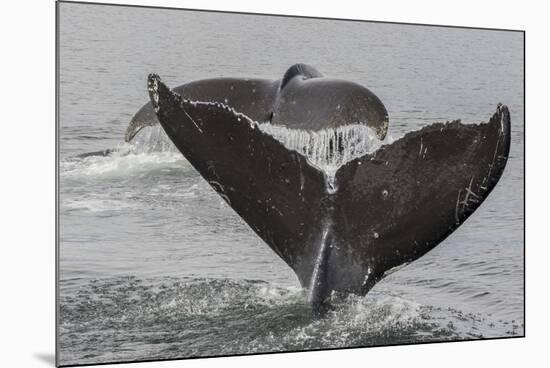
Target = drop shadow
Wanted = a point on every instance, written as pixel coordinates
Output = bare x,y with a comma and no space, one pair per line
46,358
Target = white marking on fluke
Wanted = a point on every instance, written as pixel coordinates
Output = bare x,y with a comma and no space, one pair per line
316,276
154,88
193,121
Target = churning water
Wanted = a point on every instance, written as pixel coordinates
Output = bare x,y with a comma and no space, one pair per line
154,264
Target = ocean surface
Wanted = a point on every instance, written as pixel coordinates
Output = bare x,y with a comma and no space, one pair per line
154,264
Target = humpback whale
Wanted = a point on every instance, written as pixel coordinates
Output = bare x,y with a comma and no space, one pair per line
323,102
302,162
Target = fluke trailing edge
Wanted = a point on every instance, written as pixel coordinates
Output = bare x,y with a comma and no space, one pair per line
301,162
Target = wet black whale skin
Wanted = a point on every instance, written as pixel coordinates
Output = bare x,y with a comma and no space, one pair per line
390,207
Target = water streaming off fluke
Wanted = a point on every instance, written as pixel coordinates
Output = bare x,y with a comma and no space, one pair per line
328,149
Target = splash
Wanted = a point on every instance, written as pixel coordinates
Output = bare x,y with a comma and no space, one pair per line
149,139
150,149
119,318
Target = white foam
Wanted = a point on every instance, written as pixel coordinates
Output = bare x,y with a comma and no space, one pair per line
150,149
97,204
149,139
119,165
385,310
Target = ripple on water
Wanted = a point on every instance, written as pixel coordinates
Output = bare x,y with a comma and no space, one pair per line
127,318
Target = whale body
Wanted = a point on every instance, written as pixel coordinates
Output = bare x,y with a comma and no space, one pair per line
301,161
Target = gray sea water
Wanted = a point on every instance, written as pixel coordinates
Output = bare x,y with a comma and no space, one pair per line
154,264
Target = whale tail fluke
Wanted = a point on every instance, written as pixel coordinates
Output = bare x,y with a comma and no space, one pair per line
275,190
405,198
390,207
